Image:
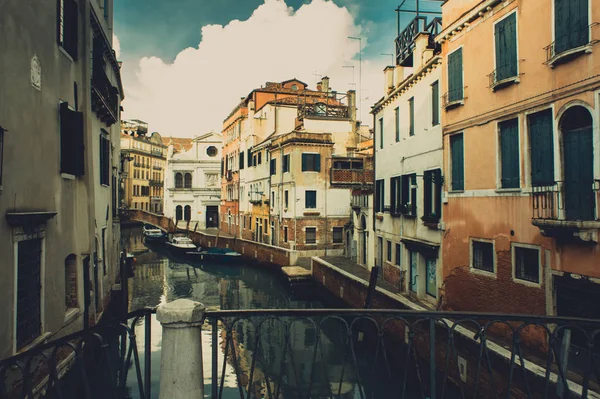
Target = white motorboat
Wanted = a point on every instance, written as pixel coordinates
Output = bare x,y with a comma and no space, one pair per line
181,244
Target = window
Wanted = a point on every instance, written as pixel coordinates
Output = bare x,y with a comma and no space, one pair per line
527,264
389,251
397,123
241,159
104,260
178,213
509,153
212,151
380,132
286,197
398,254
482,255
435,103
104,158
455,76
187,213
188,180
249,156
285,234
571,24
273,166
409,195
286,163
541,138
29,270
71,281
338,235
411,108
71,141
505,34
259,158
178,180
311,162
432,195
457,161
311,235
67,26
310,199
395,195
320,109
379,193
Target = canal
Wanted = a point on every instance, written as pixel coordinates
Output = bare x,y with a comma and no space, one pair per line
161,277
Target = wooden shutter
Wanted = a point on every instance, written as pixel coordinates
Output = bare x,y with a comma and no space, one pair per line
435,103
411,107
317,160
509,154
249,155
70,27
397,122
241,160
578,23
413,194
505,33
437,185
393,195
541,136
304,161
457,159
455,78
427,186
405,189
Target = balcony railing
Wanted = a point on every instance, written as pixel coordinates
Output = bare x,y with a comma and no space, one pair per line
105,97
566,200
156,183
329,352
503,76
363,177
454,98
157,167
575,42
405,42
323,110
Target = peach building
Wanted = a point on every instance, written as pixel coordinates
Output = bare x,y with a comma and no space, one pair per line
521,156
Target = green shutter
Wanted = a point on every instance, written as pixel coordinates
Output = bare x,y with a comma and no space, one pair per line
304,157
317,158
437,184
427,185
541,137
381,132
506,47
393,195
405,189
509,153
457,158
455,78
397,122
571,28
411,106
435,103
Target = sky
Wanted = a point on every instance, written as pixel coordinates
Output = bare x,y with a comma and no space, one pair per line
187,63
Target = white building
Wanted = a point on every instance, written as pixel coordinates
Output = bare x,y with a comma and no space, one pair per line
408,165
193,184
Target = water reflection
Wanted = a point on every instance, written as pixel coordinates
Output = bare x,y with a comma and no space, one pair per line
287,353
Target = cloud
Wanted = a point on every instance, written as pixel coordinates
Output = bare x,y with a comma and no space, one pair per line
116,46
195,92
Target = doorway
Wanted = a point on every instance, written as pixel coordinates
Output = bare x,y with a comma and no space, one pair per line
212,216
578,161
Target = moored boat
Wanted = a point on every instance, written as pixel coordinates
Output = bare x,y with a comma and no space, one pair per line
152,233
216,255
181,244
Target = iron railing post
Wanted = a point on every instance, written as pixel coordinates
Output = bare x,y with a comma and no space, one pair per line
432,376
147,354
215,354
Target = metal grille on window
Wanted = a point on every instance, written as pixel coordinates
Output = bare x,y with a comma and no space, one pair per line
29,288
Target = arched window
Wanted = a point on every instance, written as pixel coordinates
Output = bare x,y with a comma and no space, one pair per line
178,213
178,180
188,180
71,281
187,213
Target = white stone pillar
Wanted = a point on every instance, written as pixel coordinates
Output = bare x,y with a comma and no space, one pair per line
181,374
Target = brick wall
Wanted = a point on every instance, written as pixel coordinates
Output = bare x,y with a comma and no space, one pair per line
392,275
324,233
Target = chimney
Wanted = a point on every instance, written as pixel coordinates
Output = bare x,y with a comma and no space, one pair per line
319,86
351,95
421,43
325,84
388,75
398,74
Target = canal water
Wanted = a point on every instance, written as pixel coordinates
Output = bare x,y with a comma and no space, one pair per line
161,277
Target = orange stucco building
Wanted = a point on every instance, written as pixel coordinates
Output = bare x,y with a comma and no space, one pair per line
521,156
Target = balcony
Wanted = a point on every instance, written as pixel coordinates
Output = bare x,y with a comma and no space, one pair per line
405,42
157,167
323,110
567,209
454,98
504,76
569,46
105,98
255,197
352,177
156,183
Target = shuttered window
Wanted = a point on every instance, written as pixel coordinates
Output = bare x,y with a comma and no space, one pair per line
67,26
395,194
311,235
379,195
338,236
411,108
286,163
455,76
241,158
397,122
435,103
104,158
249,156
311,162
505,34
310,199
409,195
571,24
432,195
509,153
457,162
380,132
71,141
541,137
273,166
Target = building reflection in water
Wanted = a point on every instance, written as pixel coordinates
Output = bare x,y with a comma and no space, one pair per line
161,277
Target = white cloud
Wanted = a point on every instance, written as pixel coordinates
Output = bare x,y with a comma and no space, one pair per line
116,46
197,91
